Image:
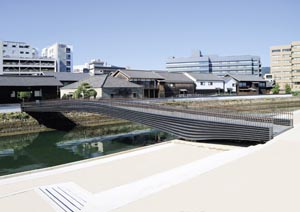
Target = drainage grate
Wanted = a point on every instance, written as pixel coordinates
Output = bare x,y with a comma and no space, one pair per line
67,197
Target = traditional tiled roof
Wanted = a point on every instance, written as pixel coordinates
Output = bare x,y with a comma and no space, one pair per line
174,77
246,78
205,77
22,81
94,81
103,81
114,82
140,74
67,76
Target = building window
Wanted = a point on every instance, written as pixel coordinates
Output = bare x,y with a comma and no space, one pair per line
21,52
233,85
68,63
68,69
13,94
27,52
38,93
68,50
202,83
4,45
14,46
210,83
242,84
276,50
68,57
286,50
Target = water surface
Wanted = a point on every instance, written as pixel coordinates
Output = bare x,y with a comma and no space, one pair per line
39,150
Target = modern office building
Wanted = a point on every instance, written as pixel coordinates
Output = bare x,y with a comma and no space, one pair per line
285,65
19,58
63,54
220,65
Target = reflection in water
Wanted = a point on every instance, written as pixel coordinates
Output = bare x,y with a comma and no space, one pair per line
39,150
103,145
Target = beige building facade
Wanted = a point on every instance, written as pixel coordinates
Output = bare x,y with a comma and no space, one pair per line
285,65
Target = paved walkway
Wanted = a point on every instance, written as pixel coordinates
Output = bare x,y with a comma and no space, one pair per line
173,176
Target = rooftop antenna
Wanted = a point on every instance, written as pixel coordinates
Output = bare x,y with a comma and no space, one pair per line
196,53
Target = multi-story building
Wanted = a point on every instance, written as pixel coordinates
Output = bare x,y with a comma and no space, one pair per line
18,50
220,65
99,67
19,58
63,54
96,67
285,65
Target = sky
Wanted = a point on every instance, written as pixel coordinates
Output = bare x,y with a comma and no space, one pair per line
142,34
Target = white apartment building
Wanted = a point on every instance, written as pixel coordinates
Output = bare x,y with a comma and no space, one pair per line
285,65
18,50
19,58
63,54
96,67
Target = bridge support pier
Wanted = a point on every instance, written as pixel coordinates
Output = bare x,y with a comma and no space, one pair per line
53,120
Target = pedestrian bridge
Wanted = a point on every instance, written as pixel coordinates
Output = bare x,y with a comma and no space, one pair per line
186,123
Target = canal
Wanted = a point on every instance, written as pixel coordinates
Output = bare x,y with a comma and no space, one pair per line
45,149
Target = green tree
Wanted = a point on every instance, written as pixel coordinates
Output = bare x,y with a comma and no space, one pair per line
92,93
288,89
84,90
24,95
276,89
64,96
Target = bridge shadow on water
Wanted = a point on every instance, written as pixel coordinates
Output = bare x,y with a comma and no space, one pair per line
230,143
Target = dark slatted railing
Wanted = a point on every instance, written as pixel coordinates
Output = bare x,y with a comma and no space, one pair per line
207,123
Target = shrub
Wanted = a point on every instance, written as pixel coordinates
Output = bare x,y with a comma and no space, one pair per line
288,89
276,89
295,93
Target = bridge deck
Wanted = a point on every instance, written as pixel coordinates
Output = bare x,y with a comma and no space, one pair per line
184,123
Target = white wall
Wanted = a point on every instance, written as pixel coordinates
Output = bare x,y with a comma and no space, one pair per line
215,85
1,58
68,91
231,84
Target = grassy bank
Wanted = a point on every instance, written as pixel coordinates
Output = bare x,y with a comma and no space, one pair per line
282,104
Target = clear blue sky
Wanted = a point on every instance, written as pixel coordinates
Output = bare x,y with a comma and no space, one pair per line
142,34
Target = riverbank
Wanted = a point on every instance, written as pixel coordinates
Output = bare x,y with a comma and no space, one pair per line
170,176
17,123
263,105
